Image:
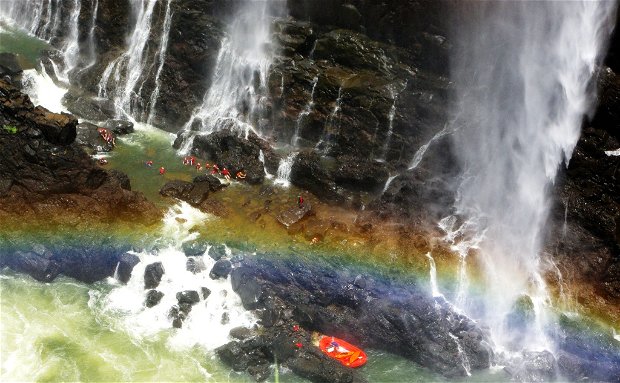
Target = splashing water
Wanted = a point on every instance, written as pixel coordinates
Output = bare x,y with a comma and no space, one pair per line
284,170
523,74
239,81
304,113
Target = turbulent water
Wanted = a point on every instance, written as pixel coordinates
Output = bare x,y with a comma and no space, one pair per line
523,73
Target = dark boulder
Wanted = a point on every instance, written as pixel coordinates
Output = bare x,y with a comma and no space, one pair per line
153,274
221,269
216,252
38,267
233,152
119,127
57,128
188,296
88,107
312,364
126,264
195,192
194,248
205,292
153,297
247,287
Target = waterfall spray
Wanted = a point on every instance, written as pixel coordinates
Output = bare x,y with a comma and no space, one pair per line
239,80
523,72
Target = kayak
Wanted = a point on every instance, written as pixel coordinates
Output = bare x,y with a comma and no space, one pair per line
344,352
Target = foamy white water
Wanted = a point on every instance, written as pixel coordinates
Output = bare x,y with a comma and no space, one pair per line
283,177
522,73
209,321
42,90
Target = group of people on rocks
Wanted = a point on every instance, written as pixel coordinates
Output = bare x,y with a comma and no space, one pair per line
215,169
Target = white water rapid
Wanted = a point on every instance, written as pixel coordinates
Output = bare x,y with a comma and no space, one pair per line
283,177
209,321
238,90
523,74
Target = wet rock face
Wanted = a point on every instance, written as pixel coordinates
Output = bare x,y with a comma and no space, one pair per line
153,297
41,166
293,215
586,216
398,318
234,153
221,269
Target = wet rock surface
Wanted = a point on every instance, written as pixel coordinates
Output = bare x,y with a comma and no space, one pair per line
43,170
294,215
398,318
153,274
126,264
195,192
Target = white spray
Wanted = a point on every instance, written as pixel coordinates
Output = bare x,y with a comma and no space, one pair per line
522,87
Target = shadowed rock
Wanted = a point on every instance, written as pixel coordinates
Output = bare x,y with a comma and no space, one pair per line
153,274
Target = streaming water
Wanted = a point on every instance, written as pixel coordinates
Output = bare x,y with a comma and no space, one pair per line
121,79
163,46
239,80
283,176
522,73
419,154
304,113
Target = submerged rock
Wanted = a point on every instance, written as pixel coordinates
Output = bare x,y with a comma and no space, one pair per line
533,366
188,296
195,265
195,192
119,127
293,215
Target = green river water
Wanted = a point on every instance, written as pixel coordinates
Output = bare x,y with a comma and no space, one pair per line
68,331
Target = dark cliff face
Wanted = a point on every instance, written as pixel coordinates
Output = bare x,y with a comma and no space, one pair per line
46,176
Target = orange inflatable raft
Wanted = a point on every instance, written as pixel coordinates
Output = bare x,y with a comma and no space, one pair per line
344,352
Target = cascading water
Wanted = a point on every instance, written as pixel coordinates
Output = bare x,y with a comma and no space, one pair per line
71,49
163,45
284,170
523,78
239,81
304,113
127,70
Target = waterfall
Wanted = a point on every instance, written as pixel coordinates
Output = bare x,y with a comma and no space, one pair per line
523,74
163,45
92,53
239,80
261,158
433,276
330,126
71,49
305,112
40,18
391,116
419,154
128,69
283,176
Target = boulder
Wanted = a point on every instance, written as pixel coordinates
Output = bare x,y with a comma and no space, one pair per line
205,292
153,274
188,296
126,264
221,269
119,127
40,268
216,252
233,152
195,192
153,297
195,248
294,214
360,173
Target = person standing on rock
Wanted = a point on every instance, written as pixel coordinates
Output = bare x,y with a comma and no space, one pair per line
300,201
